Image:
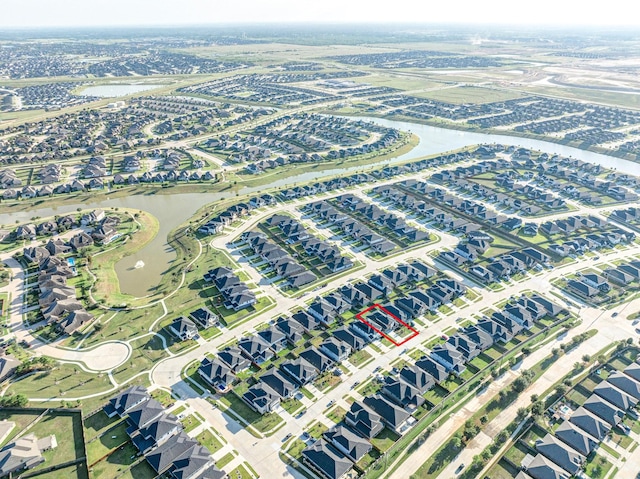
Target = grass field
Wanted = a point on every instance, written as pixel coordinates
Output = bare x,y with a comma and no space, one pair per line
64,381
66,426
469,94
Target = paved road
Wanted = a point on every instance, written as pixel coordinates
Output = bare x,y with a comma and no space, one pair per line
104,357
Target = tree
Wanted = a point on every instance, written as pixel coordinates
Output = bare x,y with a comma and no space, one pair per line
537,408
561,389
17,400
586,358
534,398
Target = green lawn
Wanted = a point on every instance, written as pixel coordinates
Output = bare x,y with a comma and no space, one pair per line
110,440
147,351
117,462
141,470
64,381
190,422
65,426
262,423
337,414
97,424
224,460
240,472
360,358
383,441
208,440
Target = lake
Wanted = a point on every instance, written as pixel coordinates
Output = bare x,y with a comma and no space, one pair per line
173,210
116,90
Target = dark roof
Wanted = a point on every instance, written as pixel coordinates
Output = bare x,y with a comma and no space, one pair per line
391,414
279,383
576,438
364,420
144,413
161,458
326,459
127,399
561,454
590,423
348,442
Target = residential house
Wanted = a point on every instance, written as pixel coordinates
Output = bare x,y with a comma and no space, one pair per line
216,373
395,417
326,461
352,445
364,420
184,328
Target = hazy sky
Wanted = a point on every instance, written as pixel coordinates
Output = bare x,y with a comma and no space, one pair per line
20,13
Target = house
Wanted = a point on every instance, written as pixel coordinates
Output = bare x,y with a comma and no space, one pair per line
205,317
465,346
184,328
162,458
417,378
576,438
335,349
624,383
126,400
364,420
7,367
144,414
81,240
395,417
156,433
35,254
24,453
326,461
256,349
274,337
590,423
308,322
448,356
279,384
478,336
633,371
300,370
355,342
317,359
337,302
301,279
323,312
433,368
195,463
364,330
353,446
603,409
216,373
292,330
234,359
582,289
542,468
402,393
261,398
615,396
561,454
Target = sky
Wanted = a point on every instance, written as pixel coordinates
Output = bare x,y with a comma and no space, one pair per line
87,13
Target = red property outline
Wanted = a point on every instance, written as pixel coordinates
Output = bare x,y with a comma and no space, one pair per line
383,309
